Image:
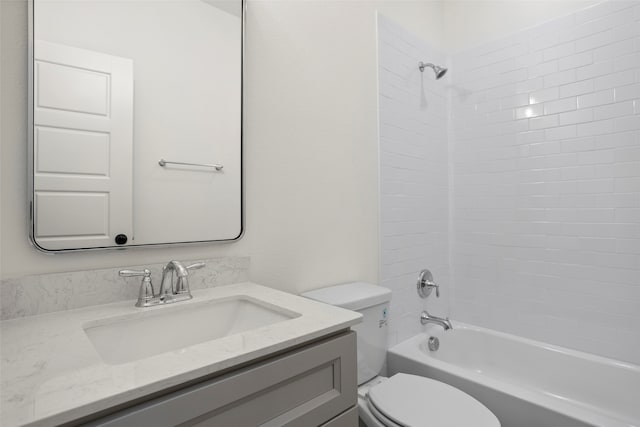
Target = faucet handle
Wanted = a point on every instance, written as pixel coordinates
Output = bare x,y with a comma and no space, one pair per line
195,266
435,285
182,283
426,284
132,273
146,293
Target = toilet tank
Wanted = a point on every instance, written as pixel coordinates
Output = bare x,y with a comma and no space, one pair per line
373,303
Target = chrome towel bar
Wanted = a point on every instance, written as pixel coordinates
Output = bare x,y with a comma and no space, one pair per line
164,162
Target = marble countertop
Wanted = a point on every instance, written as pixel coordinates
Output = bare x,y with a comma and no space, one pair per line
50,372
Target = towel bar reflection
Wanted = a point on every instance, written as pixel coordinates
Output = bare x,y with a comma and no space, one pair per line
164,162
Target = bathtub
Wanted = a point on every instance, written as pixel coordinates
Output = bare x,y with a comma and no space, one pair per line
525,383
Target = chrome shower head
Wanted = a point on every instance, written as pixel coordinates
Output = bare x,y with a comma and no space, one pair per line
439,71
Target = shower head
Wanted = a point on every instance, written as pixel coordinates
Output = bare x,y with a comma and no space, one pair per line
440,71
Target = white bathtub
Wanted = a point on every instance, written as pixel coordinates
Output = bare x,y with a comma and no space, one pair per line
525,383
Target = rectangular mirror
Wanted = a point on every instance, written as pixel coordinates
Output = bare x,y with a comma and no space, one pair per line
136,114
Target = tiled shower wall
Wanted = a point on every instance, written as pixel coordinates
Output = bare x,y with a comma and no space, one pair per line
413,176
541,214
546,190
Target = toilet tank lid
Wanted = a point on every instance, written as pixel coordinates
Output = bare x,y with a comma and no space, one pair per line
352,296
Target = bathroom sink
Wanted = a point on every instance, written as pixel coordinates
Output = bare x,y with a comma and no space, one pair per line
159,330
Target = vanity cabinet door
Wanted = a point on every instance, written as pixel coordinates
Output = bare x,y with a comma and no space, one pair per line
307,387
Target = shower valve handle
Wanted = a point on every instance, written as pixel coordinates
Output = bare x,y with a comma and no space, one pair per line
426,284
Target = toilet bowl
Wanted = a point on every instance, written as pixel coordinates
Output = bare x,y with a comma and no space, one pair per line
402,400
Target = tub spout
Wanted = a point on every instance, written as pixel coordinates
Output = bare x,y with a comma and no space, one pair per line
427,318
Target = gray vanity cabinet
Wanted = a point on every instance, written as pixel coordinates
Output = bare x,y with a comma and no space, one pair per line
311,386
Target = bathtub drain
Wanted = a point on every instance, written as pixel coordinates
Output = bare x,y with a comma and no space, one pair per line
434,343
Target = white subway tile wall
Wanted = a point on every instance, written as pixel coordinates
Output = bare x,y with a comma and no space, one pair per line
545,140
414,182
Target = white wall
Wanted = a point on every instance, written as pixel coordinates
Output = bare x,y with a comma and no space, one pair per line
310,146
546,162
312,132
414,187
470,23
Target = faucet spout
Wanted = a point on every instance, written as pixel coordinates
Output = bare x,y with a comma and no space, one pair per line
180,269
180,291
425,318
168,291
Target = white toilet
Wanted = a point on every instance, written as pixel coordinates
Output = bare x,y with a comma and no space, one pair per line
403,399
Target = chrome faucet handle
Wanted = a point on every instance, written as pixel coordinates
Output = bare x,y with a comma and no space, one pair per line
146,293
182,282
435,285
195,266
133,273
426,284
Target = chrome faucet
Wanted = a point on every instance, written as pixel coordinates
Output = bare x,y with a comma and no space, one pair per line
181,290
424,286
425,318
169,293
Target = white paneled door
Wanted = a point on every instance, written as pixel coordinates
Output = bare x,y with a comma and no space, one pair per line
83,145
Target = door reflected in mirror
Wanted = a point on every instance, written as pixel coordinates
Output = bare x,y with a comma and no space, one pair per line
136,111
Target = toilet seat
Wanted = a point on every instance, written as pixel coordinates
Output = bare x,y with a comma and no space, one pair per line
413,401
379,416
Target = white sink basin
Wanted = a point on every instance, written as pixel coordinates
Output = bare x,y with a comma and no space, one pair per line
169,328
